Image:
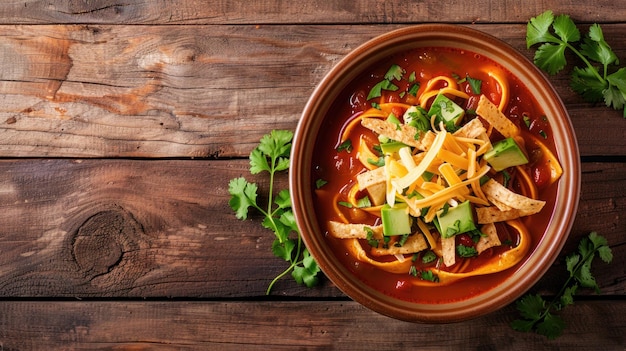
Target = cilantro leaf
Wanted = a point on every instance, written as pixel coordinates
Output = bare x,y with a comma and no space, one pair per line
571,261
538,315
243,196
598,79
531,306
306,273
551,57
258,162
584,83
565,28
377,89
276,144
466,251
394,72
551,326
474,83
568,296
595,48
284,249
537,29
272,155
283,200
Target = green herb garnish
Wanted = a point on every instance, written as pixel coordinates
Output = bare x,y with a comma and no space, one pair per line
345,146
466,251
537,314
475,84
598,79
320,183
272,156
429,276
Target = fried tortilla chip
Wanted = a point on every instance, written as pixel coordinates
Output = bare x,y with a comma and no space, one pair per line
472,129
448,250
490,112
496,191
404,133
378,193
369,178
353,231
492,214
414,243
489,240
508,205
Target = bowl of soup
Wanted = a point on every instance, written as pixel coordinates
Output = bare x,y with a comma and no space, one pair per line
434,174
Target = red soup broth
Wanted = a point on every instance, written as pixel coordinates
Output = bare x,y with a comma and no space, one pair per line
339,168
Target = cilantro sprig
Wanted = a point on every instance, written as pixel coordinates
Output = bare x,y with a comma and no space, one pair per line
599,79
272,156
538,314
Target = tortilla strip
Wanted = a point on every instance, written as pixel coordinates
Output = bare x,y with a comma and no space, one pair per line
489,240
404,133
448,250
378,193
353,231
497,191
499,205
414,243
490,112
472,129
492,214
369,178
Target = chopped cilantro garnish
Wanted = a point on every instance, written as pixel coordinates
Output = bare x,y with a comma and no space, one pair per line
402,240
370,237
345,146
412,77
378,162
320,183
429,276
428,257
363,202
475,84
466,251
414,89
394,72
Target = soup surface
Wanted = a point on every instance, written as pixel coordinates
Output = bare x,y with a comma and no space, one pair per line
435,175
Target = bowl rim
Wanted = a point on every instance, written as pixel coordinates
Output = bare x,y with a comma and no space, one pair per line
364,56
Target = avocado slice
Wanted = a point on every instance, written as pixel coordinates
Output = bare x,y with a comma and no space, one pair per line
504,154
447,111
456,220
396,219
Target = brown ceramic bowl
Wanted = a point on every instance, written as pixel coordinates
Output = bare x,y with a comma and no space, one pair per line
309,130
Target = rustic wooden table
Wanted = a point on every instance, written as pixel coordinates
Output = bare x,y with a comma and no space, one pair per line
121,123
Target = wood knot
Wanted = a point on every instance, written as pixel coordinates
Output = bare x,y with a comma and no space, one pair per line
103,239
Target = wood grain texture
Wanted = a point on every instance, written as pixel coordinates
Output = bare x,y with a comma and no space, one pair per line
121,123
130,228
285,12
331,325
197,91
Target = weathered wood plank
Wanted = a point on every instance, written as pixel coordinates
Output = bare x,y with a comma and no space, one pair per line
281,12
186,91
131,228
338,325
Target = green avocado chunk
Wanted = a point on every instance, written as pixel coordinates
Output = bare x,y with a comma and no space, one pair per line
456,220
396,219
447,111
504,154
